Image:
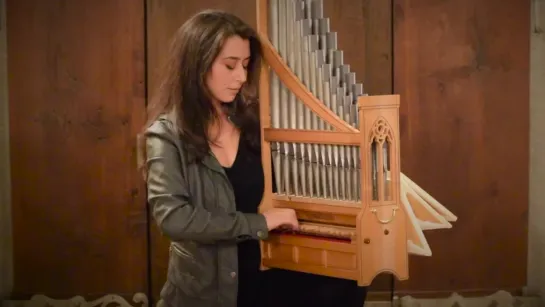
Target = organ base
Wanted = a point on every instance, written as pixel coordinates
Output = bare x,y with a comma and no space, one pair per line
316,255
343,241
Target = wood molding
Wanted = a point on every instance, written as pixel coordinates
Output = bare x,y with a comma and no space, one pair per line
499,298
6,258
385,295
111,300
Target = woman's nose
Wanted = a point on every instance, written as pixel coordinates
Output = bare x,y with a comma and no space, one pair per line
240,74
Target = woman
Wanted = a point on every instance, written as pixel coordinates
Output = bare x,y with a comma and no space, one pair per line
203,168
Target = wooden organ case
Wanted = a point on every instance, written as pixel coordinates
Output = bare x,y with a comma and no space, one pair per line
334,152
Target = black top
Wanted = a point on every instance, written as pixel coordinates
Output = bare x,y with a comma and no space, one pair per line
246,177
276,287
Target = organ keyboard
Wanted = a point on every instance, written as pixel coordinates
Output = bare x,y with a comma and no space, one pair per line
334,152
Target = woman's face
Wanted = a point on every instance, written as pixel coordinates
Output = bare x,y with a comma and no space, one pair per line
229,70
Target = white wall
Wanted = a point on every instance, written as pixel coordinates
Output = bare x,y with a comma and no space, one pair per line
536,227
5,212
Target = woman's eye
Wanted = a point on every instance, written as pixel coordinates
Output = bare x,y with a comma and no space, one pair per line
229,67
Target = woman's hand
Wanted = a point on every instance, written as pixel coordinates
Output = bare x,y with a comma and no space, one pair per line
281,217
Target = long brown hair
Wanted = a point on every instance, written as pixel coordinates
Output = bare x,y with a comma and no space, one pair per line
183,91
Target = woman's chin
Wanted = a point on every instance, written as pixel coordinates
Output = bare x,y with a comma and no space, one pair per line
228,99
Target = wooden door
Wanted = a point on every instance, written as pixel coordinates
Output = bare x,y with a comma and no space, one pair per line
364,34
462,70
76,101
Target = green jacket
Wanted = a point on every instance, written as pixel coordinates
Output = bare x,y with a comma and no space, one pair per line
193,204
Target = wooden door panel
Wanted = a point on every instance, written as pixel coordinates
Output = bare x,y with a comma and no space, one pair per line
461,68
76,101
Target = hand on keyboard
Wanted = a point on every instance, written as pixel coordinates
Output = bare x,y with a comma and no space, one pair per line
281,217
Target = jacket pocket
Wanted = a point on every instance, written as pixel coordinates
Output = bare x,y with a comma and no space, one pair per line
189,274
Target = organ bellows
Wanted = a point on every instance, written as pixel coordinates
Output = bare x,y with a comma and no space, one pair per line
333,151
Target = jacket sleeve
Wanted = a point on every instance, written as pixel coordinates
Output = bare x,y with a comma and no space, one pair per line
173,210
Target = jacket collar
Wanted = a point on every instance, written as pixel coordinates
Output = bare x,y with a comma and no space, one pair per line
210,160
212,163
